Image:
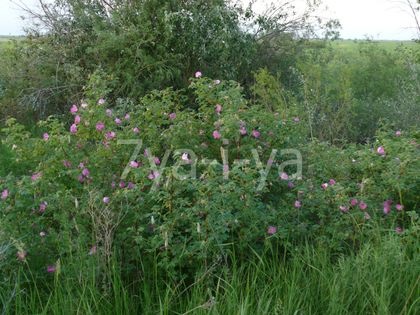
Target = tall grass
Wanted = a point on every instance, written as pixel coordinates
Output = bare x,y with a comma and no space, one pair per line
379,279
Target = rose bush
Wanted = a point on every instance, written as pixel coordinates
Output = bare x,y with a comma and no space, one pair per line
189,180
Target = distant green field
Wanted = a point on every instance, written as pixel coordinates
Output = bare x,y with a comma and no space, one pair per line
389,45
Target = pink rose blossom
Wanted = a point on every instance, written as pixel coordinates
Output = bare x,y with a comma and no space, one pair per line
156,160
127,117
198,74
51,269
218,109
332,182
121,184
284,176
298,204
92,250
136,130
256,134
296,119
344,209
4,194
77,120
216,135
290,185
172,116
134,164
67,164
324,186
118,121
74,109
101,101
46,136
85,172
399,230
387,206
354,202
399,207
100,126
108,112
110,135
21,255
36,176
381,150
362,205
131,185
271,230
398,133
73,128
106,200
242,131
43,207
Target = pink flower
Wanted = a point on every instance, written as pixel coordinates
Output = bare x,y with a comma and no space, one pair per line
344,209
399,207
101,101
46,136
106,200
256,134
290,185
108,112
77,120
136,130
67,164
85,172
156,160
74,109
332,182
21,255
296,119
381,150
127,117
43,207
134,164
81,178
121,184
367,216
36,176
198,74
153,175
172,116
354,202
216,135
131,185
100,126
73,128
92,250
117,121
399,230
218,109
110,135
184,157
387,206
51,269
398,133
362,205
324,186
298,204
284,176
271,230
242,131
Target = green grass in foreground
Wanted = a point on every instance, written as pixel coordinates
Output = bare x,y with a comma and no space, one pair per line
381,279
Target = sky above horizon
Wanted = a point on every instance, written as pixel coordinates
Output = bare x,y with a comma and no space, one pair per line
376,19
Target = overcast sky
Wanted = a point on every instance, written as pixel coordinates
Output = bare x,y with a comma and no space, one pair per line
378,19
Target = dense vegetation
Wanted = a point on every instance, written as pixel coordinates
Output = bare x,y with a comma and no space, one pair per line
193,157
